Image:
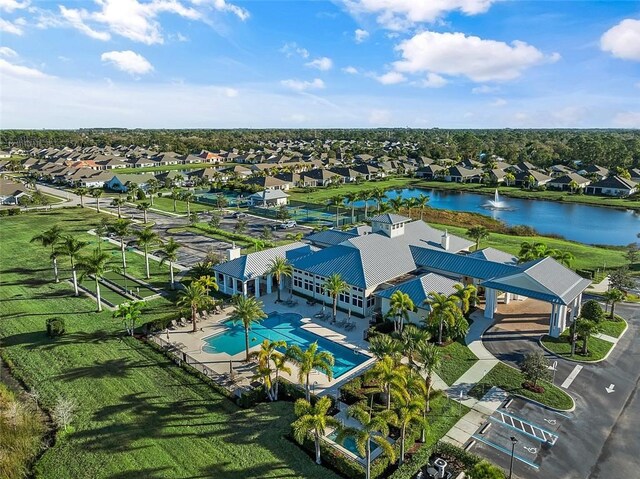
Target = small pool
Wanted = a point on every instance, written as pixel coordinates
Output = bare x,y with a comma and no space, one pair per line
286,327
349,444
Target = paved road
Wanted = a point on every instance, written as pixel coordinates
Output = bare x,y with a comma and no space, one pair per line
602,438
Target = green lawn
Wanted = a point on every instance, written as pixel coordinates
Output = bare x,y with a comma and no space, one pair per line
511,380
166,204
189,166
322,195
598,348
456,360
586,257
613,328
139,415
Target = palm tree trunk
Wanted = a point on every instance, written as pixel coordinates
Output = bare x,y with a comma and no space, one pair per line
144,214
613,305
151,198
440,332
146,261
194,317
584,344
188,209
352,211
173,284
124,259
428,380
368,454
81,201
421,212
403,433
278,286
308,389
275,386
98,295
423,434
174,206
98,205
55,269
335,307
318,461
246,343
75,280
388,392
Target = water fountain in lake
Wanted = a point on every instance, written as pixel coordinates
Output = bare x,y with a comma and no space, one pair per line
496,203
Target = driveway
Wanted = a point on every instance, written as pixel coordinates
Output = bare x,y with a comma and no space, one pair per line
601,436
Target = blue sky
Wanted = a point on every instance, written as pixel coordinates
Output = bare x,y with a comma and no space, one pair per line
342,63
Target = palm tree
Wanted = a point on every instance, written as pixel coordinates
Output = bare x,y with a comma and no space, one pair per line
614,296
379,195
72,247
337,202
187,197
279,268
562,257
421,202
532,251
466,295
208,282
333,287
194,297
365,195
247,311
147,237
429,361
200,269
586,328
443,309
81,192
382,345
313,420
400,304
169,253
374,428
478,233
129,313
396,204
410,203
509,179
351,198
97,193
175,196
389,376
409,410
144,206
410,338
264,356
152,188
100,230
309,360
50,238
121,228
279,365
118,202
573,186
94,265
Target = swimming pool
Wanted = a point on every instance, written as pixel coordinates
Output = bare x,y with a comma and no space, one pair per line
349,444
286,327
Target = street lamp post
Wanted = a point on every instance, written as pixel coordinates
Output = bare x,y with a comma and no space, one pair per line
514,441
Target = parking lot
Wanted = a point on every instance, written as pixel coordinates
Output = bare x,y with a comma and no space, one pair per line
536,429
256,225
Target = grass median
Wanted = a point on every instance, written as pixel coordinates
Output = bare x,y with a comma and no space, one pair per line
597,348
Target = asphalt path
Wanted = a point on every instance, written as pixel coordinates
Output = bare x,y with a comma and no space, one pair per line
602,437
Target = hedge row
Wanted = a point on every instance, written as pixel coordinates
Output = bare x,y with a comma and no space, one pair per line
232,236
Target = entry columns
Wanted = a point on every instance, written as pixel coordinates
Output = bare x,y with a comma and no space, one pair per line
491,303
257,287
269,283
557,320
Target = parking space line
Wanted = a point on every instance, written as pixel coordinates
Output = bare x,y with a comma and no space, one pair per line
506,451
567,382
547,436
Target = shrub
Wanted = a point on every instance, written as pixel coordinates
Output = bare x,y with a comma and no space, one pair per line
592,311
486,470
55,327
13,211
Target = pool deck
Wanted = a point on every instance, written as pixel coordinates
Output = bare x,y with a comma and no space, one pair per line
193,343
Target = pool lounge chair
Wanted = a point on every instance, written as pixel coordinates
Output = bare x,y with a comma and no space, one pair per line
350,326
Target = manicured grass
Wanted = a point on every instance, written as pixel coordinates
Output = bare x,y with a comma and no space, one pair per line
139,415
189,166
456,360
613,328
511,380
586,257
166,204
322,195
598,348
443,415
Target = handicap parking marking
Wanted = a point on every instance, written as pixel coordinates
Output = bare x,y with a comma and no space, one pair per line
526,427
506,451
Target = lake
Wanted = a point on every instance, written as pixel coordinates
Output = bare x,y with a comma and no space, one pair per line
577,222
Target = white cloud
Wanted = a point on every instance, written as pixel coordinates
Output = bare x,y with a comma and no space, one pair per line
292,48
457,54
391,78
433,81
623,40
569,116
401,14
75,19
137,20
484,89
379,117
7,52
627,119
11,5
15,27
300,85
360,35
323,64
11,69
231,92
498,102
128,61
350,70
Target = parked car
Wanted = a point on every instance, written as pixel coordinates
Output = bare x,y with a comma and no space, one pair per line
288,224
239,214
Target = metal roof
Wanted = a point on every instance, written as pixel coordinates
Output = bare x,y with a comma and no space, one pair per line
390,218
330,237
461,265
418,289
257,264
495,255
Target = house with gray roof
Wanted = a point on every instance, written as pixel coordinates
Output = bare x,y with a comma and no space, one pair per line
613,186
269,198
565,182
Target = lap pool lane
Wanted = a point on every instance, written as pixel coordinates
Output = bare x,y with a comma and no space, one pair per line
535,428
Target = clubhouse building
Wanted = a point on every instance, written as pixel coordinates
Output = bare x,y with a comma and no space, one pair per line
398,254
